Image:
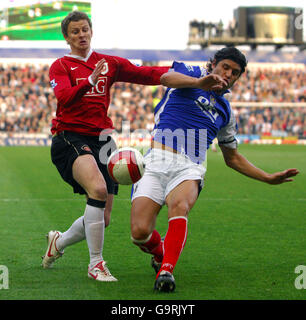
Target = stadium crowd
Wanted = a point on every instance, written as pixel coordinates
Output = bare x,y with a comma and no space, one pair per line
27,102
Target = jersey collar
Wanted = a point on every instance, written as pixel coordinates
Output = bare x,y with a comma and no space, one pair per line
79,57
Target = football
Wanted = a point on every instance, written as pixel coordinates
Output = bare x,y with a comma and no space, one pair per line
126,165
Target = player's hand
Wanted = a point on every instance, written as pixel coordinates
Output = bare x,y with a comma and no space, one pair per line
283,176
97,72
212,82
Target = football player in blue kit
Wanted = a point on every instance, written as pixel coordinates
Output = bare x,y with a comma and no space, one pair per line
192,113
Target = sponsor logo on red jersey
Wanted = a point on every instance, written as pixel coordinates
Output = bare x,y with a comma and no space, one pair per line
98,90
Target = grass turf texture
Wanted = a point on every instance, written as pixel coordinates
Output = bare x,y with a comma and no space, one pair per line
245,237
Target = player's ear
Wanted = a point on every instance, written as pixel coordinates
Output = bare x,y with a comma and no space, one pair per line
213,64
66,38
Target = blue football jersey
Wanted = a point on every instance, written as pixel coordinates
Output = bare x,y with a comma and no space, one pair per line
189,119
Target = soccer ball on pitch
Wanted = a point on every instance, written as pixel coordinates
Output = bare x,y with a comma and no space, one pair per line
126,165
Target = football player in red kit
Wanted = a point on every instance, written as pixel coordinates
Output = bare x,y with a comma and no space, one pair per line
81,81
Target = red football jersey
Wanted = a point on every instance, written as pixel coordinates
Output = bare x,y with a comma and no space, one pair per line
82,107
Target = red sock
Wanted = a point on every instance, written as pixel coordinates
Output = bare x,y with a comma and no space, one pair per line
153,246
174,243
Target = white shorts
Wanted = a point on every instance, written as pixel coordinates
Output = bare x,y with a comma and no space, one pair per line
164,171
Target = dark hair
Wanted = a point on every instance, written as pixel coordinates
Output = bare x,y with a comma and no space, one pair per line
230,53
74,16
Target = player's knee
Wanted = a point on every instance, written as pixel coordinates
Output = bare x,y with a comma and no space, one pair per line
179,208
98,192
140,231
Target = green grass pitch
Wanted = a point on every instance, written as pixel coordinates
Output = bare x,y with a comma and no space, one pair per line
245,238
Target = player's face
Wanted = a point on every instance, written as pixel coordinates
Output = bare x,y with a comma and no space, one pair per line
79,37
228,70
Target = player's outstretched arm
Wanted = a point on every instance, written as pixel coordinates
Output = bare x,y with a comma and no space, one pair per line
178,80
239,163
66,94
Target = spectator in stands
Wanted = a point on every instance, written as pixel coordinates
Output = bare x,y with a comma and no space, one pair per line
25,95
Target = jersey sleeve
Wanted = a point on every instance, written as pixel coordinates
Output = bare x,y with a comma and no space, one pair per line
146,75
226,135
188,70
65,93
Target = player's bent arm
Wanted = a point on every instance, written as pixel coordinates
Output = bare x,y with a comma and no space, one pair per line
178,80
65,93
145,75
173,79
238,162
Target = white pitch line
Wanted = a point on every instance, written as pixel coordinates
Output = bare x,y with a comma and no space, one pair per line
41,199
128,199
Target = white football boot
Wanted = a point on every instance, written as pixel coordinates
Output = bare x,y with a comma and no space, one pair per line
100,272
51,253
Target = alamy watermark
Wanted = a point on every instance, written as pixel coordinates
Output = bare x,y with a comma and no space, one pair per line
300,281
298,21
4,277
190,142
